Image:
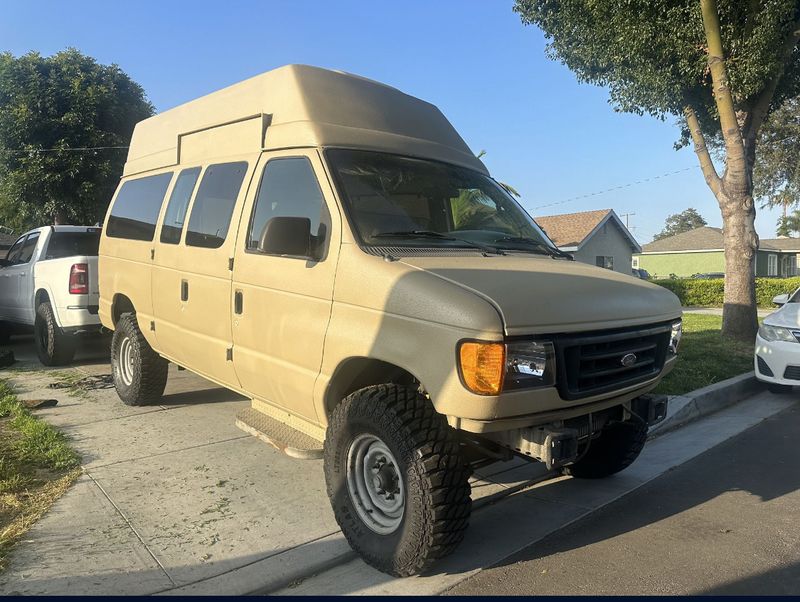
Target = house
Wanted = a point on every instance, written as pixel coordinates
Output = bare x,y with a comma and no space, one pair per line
701,251
596,237
6,240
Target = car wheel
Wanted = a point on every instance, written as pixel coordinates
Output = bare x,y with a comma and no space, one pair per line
616,448
53,347
396,479
139,373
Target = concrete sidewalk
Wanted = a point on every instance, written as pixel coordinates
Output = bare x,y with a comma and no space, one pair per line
175,499
717,311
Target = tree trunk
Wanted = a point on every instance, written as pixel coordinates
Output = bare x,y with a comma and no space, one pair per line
739,316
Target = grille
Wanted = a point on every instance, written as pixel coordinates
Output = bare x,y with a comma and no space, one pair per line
763,368
792,373
592,364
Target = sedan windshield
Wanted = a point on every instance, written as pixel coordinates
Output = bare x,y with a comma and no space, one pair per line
401,201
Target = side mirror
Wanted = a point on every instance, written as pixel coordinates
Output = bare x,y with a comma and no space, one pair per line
780,300
287,236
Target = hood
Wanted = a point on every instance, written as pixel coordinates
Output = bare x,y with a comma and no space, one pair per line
787,316
536,294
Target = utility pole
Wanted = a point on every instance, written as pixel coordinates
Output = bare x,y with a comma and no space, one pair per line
626,216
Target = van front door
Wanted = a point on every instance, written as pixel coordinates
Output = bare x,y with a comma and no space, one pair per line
192,279
282,304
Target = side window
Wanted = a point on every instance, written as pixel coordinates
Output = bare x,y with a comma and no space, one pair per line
176,208
288,188
213,205
26,253
13,252
136,209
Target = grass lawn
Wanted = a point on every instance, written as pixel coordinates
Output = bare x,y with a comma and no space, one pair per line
704,357
36,467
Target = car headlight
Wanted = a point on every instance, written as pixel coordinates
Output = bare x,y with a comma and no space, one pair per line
487,368
776,333
675,337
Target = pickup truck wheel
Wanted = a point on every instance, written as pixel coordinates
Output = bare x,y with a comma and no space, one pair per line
618,445
53,347
396,479
139,373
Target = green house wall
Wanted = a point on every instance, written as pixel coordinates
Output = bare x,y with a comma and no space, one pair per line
683,265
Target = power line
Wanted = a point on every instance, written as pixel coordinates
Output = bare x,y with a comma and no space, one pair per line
613,188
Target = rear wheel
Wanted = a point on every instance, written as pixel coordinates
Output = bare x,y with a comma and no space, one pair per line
616,448
779,389
139,373
397,483
53,347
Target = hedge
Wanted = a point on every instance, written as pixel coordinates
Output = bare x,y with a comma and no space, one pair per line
709,293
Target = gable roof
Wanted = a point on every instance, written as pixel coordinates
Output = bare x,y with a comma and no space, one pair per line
780,244
571,230
704,238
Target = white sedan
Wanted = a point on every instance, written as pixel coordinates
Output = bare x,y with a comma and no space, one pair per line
777,354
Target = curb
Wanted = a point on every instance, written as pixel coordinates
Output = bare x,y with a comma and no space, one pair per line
683,409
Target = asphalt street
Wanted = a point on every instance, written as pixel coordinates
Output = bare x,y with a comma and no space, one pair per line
724,523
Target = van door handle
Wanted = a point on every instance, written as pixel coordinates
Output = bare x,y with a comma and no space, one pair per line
238,303
184,290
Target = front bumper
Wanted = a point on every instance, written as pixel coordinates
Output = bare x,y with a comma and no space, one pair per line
777,362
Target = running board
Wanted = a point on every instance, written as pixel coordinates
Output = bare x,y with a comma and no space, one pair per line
281,436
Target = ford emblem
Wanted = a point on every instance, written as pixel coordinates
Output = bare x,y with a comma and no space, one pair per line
628,360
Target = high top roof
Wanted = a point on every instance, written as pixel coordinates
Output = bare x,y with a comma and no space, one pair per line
297,106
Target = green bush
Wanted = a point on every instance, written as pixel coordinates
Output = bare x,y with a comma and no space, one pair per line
695,292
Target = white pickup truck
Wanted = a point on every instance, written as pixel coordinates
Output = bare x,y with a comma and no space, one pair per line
48,280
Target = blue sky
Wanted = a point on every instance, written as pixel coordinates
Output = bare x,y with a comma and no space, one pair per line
549,136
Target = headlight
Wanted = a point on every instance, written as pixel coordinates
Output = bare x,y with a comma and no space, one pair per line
529,364
487,368
675,337
776,333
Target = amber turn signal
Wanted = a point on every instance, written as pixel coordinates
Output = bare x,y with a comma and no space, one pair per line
482,366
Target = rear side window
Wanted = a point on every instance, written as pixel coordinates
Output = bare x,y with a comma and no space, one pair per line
176,208
136,209
288,188
69,244
213,205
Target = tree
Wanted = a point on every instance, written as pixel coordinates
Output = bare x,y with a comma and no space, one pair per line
66,101
686,220
721,69
777,169
788,224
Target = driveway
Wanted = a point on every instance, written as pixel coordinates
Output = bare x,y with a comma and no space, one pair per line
175,499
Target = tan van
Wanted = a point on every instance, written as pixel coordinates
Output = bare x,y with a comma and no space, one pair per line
331,248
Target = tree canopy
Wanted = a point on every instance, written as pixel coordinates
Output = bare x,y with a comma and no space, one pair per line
47,106
686,220
720,66
777,169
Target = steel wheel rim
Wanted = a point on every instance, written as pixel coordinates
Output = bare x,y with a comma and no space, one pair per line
375,484
126,361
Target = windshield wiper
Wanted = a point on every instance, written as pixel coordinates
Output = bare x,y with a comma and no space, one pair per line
439,236
552,251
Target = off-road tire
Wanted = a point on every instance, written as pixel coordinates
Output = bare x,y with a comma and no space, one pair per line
777,389
618,445
53,347
149,370
435,477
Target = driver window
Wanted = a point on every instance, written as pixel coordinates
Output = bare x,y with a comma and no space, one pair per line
13,252
26,253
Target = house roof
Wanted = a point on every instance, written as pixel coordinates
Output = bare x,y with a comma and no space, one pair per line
297,106
704,238
707,238
6,240
571,230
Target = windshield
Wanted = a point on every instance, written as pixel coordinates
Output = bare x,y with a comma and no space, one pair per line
400,201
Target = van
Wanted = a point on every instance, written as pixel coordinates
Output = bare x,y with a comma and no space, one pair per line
330,248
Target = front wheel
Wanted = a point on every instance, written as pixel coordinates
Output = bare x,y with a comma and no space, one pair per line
139,373
53,347
396,480
616,448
